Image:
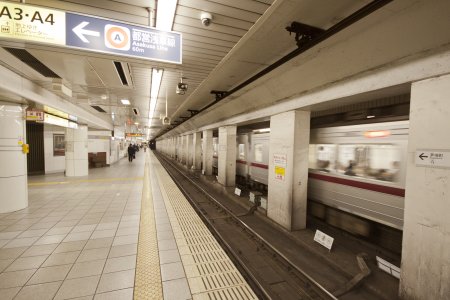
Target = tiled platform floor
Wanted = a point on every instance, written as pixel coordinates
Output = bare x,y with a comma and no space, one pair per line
78,237
87,238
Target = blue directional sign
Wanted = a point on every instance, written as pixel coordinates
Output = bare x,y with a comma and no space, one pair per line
49,26
108,36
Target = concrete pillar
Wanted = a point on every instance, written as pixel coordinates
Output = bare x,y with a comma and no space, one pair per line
425,267
197,151
172,147
178,148
77,151
227,156
288,169
13,162
185,150
207,152
190,150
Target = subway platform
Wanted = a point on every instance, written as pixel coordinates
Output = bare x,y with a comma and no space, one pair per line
123,232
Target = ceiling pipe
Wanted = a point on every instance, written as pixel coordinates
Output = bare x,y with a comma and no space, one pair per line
353,18
152,13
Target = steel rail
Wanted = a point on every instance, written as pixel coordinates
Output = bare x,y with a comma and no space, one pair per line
264,241
254,281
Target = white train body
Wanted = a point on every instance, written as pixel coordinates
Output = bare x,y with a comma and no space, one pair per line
374,186
371,188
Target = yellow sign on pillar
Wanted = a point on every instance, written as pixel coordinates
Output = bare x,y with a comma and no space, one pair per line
280,172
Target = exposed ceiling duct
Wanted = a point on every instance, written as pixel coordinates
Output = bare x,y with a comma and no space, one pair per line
28,59
123,70
98,108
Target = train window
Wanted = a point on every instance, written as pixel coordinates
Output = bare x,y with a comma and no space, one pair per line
259,148
384,162
322,157
215,148
241,151
352,160
375,161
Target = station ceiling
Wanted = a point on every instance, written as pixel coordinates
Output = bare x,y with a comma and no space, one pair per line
244,37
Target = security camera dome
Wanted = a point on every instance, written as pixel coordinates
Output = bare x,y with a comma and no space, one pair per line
206,18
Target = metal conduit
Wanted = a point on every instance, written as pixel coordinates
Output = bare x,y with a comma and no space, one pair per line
353,18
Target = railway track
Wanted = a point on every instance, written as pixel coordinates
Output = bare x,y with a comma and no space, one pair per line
269,272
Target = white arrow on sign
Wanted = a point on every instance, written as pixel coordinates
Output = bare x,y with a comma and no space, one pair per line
81,32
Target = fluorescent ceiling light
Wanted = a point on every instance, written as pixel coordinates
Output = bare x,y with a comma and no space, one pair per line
263,130
165,13
136,123
154,91
125,101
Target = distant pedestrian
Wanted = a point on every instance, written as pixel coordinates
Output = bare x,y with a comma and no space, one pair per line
130,153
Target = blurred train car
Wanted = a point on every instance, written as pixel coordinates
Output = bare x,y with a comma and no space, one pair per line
356,173
215,164
259,159
359,170
242,158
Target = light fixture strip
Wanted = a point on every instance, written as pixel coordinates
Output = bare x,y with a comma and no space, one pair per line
154,91
165,13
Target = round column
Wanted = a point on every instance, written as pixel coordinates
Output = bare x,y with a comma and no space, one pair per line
13,162
77,151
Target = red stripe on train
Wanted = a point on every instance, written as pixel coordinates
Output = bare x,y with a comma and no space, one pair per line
241,161
262,166
362,185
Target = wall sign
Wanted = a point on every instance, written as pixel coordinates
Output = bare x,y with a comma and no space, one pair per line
35,115
129,134
433,158
280,163
49,26
59,147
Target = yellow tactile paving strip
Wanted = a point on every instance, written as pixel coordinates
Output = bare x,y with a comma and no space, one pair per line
147,284
210,272
83,181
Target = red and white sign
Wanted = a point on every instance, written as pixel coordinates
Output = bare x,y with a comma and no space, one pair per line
35,115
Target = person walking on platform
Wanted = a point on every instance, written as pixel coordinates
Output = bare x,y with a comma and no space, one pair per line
130,153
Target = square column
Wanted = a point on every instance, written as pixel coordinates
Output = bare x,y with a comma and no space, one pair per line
13,160
190,150
207,152
185,150
197,151
227,156
179,148
77,151
173,147
288,169
425,267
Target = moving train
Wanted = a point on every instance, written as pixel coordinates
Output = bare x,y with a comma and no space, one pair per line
356,173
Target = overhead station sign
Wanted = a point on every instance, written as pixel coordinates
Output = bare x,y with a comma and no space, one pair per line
32,23
37,24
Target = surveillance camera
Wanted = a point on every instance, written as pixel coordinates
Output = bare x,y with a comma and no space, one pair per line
182,86
206,18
